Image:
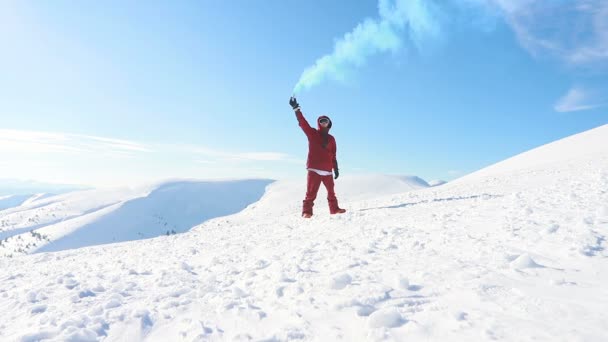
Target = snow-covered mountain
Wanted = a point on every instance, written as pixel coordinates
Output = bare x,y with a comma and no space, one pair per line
514,252
94,217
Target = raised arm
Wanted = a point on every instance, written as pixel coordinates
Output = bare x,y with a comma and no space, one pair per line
301,119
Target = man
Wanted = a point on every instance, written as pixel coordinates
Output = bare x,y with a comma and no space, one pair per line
321,160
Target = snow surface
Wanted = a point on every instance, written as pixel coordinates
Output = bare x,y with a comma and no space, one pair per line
516,252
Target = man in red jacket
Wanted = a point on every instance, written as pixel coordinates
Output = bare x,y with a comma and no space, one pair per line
321,160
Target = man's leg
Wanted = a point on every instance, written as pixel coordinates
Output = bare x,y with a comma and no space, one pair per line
328,181
313,182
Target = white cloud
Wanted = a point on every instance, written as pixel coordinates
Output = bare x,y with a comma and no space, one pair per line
576,99
23,141
205,162
89,159
263,156
119,144
574,31
212,155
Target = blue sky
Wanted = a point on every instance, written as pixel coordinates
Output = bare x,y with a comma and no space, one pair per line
112,93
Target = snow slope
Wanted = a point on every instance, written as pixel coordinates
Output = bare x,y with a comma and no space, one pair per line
103,216
582,146
516,252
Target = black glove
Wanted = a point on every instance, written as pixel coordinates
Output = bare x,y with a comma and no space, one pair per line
294,103
336,171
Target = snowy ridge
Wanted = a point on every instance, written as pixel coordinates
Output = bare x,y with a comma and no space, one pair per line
516,254
94,217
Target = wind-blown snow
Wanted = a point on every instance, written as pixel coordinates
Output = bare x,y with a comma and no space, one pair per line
516,252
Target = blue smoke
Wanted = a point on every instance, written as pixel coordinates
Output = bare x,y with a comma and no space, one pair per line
416,22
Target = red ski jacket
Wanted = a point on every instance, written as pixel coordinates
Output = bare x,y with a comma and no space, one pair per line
320,157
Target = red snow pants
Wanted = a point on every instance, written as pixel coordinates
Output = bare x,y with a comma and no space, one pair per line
313,182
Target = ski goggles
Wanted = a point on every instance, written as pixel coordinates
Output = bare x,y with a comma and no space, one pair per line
324,121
